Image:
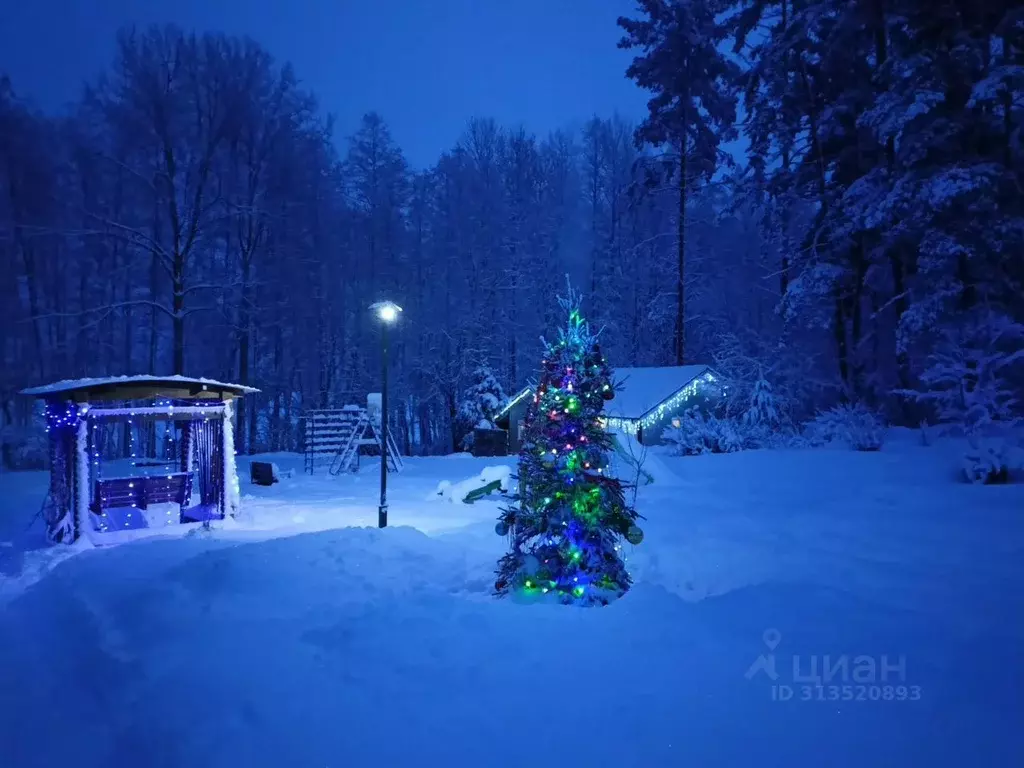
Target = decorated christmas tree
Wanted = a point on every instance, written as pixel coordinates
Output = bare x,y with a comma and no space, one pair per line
569,517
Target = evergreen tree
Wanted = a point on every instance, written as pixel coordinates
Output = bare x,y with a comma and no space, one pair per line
570,516
481,400
693,109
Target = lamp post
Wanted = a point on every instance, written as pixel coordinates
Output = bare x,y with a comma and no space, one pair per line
387,313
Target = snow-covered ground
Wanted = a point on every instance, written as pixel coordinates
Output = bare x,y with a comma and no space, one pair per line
298,638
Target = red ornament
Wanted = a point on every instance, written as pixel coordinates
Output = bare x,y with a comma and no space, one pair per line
608,394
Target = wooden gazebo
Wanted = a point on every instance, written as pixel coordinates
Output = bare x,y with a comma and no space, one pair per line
166,444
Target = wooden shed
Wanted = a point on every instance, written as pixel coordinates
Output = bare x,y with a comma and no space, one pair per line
512,416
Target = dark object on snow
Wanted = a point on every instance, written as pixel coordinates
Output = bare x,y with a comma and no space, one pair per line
489,442
998,477
261,473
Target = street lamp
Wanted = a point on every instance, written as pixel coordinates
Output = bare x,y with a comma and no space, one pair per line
387,313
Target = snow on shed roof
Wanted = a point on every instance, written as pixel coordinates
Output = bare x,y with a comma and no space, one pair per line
128,382
644,388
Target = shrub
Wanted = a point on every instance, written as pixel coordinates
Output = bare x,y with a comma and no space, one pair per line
705,433
987,463
855,425
24,447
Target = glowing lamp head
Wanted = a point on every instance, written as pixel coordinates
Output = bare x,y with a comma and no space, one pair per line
387,311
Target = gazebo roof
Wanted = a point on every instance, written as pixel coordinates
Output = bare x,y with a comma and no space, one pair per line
139,388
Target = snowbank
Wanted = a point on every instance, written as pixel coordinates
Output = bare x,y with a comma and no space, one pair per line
364,647
501,474
634,463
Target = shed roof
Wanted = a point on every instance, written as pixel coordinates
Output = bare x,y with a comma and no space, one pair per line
642,389
137,387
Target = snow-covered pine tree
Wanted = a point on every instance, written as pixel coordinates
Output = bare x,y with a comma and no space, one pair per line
761,411
692,110
569,516
973,375
480,402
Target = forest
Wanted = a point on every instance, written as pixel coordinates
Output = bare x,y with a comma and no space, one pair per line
196,212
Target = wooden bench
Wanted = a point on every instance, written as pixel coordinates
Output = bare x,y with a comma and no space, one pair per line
140,492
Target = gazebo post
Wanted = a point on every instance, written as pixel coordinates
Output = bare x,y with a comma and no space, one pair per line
59,514
230,490
82,485
185,447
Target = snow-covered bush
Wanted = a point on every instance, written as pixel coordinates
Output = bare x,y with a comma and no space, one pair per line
480,402
973,375
855,425
465,489
987,462
972,379
684,442
24,447
730,436
700,432
762,410
767,369
760,425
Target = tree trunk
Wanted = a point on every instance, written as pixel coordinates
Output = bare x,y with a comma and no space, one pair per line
253,410
178,309
244,438
842,351
680,330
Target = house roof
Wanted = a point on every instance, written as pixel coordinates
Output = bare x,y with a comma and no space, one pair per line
510,403
641,389
127,387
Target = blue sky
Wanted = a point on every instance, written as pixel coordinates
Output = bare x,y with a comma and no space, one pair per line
426,65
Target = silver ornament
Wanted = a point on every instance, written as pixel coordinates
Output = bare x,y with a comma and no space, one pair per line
634,535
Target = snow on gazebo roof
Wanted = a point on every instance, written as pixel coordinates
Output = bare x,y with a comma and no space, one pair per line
144,385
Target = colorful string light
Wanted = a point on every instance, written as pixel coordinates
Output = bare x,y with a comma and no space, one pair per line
569,516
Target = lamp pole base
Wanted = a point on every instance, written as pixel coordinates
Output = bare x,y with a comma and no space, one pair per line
382,516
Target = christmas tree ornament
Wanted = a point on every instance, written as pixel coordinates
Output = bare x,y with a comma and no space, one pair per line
634,535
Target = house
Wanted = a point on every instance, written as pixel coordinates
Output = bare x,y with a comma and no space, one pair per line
647,400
